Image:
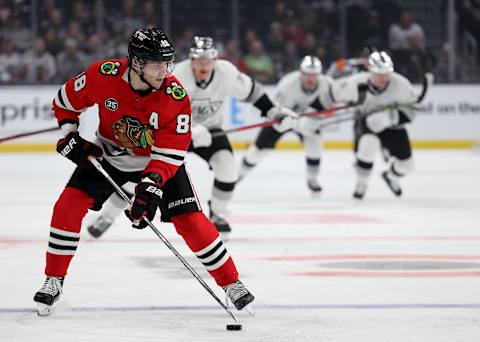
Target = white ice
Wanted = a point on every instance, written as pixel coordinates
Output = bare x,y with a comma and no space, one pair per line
322,269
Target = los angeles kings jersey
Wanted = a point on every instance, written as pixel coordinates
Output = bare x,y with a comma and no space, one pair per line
398,91
208,101
290,93
136,133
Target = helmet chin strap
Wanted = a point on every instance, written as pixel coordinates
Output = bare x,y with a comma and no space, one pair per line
140,75
145,81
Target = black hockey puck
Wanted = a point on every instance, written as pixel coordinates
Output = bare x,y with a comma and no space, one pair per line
234,327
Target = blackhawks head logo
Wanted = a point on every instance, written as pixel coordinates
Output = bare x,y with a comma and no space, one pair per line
176,91
132,133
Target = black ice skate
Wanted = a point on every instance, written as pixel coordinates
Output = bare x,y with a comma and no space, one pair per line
238,295
48,295
99,227
220,223
314,187
359,191
392,183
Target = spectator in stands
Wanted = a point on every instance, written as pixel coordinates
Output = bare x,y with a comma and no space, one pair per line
291,30
279,11
407,43
53,42
94,50
291,60
149,12
45,8
81,14
75,31
309,45
18,34
11,64
54,21
70,62
406,35
39,63
306,16
128,16
5,14
249,36
275,42
182,45
232,54
258,64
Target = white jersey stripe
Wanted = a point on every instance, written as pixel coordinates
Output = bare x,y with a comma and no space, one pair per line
213,255
180,153
64,232
63,242
209,247
68,105
166,159
60,251
218,264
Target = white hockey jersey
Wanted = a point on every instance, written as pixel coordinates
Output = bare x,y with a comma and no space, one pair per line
290,94
398,91
208,102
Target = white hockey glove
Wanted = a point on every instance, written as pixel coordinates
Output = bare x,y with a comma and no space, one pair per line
380,121
308,126
288,118
201,137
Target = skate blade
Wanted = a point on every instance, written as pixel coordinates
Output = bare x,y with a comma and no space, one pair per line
44,310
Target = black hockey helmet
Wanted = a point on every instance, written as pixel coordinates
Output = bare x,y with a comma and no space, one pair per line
151,44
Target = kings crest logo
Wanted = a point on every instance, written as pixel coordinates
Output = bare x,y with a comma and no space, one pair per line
176,91
132,133
111,104
109,68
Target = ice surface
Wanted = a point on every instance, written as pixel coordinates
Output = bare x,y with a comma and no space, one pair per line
322,269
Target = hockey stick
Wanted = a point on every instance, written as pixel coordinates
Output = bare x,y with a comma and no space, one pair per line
331,120
21,135
426,84
127,199
325,112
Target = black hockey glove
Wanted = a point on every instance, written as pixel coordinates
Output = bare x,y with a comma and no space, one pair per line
77,149
147,199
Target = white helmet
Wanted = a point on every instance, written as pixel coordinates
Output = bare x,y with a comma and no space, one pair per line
379,62
311,65
203,47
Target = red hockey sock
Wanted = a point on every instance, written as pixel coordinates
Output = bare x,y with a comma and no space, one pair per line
203,239
68,213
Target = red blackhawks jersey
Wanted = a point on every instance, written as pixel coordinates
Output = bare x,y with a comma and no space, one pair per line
150,132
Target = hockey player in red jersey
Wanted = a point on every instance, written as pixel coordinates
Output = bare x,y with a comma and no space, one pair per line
143,136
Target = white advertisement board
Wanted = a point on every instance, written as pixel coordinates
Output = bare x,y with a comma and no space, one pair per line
449,113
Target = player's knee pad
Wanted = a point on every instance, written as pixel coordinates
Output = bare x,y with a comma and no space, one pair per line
224,166
368,146
402,167
313,147
70,209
